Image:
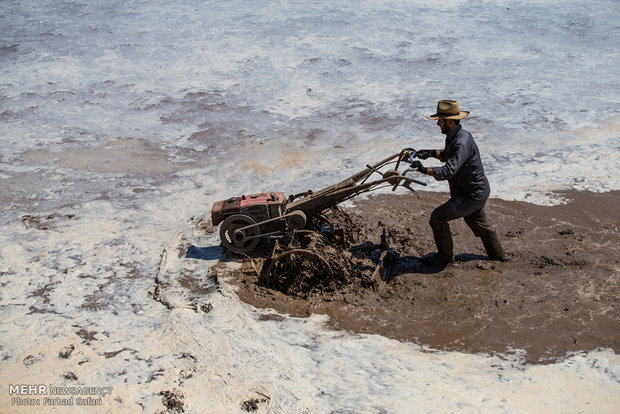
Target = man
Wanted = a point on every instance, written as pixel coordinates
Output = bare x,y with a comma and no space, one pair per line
469,187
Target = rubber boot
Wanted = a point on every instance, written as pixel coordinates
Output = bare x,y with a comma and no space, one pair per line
443,241
493,246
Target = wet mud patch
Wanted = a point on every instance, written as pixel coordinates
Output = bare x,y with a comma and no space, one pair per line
87,335
557,294
184,283
254,404
173,400
48,222
66,352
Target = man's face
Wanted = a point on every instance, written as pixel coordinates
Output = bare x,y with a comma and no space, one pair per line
445,126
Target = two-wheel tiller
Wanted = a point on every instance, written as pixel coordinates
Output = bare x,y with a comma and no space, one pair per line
295,224
249,218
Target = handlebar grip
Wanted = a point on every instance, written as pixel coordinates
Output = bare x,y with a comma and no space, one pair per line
417,181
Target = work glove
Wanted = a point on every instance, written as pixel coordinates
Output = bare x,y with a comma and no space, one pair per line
424,154
417,165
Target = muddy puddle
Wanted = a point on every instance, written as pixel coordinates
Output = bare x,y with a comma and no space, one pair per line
557,294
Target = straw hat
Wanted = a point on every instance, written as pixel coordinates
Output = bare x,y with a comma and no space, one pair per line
447,109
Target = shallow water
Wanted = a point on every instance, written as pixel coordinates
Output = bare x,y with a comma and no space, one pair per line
121,121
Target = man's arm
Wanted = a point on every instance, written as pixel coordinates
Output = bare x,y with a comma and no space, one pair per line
426,153
457,156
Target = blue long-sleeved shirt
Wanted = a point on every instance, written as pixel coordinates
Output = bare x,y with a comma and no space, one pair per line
463,166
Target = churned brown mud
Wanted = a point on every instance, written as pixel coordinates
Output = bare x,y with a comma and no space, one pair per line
558,293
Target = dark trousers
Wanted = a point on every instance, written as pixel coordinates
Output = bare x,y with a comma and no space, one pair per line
474,213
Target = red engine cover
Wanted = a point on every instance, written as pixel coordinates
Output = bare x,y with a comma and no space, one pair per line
261,198
224,208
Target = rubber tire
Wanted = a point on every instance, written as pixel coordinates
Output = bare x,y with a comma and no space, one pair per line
227,231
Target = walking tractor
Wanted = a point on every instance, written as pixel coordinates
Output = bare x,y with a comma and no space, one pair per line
247,219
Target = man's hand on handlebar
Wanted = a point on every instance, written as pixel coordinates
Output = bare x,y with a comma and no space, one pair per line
425,153
417,165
